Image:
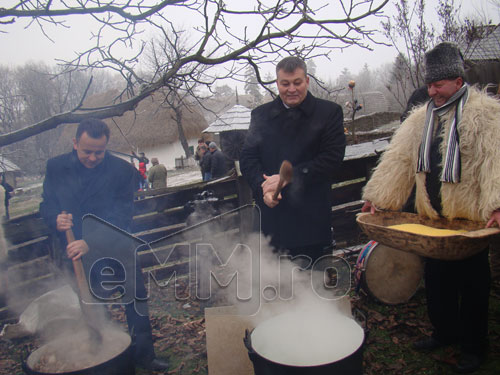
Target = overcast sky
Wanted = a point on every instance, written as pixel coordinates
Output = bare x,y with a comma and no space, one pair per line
20,45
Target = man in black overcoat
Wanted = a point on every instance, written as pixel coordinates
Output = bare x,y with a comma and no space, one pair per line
309,133
89,180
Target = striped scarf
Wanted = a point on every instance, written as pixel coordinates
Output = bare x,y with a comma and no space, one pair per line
451,170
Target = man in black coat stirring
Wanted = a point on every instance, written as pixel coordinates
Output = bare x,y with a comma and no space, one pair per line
89,180
309,133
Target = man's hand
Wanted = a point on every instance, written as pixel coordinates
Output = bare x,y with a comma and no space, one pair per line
368,207
64,222
269,201
270,183
495,218
76,249
269,186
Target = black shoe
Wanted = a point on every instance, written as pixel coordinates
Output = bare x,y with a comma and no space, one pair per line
468,362
155,365
428,344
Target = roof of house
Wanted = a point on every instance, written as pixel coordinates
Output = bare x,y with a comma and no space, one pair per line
7,166
236,118
486,48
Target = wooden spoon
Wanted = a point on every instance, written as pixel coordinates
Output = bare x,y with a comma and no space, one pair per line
286,176
89,313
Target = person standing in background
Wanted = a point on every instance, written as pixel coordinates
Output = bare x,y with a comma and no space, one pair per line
157,175
199,153
144,176
205,163
8,194
218,161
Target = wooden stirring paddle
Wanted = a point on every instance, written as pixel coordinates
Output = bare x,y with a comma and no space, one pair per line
286,176
89,313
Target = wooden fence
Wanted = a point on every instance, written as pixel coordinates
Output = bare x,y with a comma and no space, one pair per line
30,271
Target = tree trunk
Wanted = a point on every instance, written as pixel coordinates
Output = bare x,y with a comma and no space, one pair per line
180,130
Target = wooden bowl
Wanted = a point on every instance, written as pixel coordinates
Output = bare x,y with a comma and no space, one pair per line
453,247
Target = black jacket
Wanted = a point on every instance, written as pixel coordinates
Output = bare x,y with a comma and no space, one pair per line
205,162
218,164
310,136
106,191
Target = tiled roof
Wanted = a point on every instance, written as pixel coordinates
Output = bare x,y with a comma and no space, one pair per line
487,48
236,118
7,166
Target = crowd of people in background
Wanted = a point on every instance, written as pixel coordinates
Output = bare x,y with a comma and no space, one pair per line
213,163
211,160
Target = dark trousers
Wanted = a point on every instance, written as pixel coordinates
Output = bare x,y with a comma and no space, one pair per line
139,326
457,300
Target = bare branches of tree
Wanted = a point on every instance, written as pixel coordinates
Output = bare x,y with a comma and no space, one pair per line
411,36
222,37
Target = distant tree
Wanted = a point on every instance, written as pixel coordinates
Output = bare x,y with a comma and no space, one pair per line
319,88
11,101
224,90
449,15
252,86
400,84
411,36
364,80
344,77
30,94
179,94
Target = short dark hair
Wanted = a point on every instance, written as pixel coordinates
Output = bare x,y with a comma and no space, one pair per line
94,127
290,64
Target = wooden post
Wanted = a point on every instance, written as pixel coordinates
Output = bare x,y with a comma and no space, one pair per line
244,198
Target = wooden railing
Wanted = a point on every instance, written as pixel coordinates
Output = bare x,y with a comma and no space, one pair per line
29,270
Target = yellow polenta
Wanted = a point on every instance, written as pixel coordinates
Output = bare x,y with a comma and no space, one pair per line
426,230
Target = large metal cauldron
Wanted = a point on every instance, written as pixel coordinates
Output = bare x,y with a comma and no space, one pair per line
113,357
336,349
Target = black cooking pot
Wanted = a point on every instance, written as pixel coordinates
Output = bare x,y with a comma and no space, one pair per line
351,364
120,364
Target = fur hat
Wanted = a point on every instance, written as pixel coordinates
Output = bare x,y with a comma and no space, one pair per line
444,61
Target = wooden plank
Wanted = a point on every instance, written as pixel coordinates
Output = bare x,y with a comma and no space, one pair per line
25,228
347,193
346,230
356,168
26,251
32,269
179,197
156,220
165,272
165,254
174,216
156,233
174,247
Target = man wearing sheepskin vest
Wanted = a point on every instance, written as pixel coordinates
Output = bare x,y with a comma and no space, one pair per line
446,156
